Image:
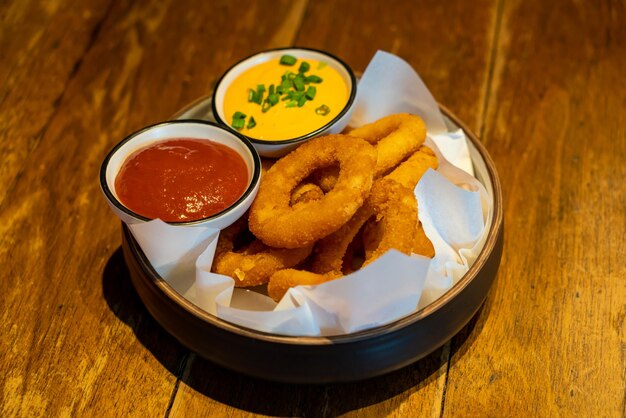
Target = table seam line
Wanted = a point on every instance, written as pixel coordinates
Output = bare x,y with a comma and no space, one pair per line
493,53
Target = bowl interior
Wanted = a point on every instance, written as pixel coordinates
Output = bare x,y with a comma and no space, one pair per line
242,66
170,130
485,173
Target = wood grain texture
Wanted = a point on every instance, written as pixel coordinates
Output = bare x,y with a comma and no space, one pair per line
543,82
75,339
554,342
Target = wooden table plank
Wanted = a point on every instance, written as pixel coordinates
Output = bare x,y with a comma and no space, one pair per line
553,342
449,44
77,339
31,83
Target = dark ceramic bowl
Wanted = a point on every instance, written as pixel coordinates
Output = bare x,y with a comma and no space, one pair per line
342,358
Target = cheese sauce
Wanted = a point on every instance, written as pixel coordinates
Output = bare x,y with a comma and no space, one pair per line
284,120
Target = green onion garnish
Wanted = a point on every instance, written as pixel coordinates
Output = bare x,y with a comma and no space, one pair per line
251,123
288,60
294,89
310,93
321,65
254,97
314,79
298,84
272,98
304,67
323,110
239,120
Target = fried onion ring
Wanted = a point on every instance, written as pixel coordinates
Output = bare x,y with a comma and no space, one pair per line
306,192
393,207
372,235
253,264
278,224
409,172
421,244
395,136
283,280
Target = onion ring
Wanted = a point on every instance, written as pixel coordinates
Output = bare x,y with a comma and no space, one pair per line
372,235
421,244
253,264
283,280
395,136
306,192
409,172
278,224
393,206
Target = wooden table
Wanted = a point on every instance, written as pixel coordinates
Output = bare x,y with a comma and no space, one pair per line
542,83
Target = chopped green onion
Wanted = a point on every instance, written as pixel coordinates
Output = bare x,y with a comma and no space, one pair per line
298,84
304,67
323,110
265,106
239,115
271,90
301,101
272,98
251,123
314,79
310,93
260,88
239,123
321,65
288,60
254,97
292,103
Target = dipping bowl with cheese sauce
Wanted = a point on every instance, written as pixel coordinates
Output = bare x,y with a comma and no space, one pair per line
280,98
184,172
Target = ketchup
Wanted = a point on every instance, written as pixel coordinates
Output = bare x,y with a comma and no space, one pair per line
181,179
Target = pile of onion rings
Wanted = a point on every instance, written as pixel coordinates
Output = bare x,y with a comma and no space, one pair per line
330,207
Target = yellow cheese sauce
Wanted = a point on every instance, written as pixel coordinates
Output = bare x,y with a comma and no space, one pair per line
285,119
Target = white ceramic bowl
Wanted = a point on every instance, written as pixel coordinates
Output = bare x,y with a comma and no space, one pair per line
275,149
182,129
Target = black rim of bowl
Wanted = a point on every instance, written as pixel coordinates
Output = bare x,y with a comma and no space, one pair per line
348,105
253,181
490,244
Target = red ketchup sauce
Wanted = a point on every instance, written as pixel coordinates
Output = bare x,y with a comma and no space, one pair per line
181,179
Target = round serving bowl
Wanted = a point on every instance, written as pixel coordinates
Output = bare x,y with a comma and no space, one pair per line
340,358
278,148
196,129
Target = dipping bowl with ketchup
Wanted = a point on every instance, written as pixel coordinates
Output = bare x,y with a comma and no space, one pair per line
283,97
184,172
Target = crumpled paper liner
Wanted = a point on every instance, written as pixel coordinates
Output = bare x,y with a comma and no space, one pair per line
454,209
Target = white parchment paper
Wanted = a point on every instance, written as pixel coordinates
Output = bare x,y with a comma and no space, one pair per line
454,209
